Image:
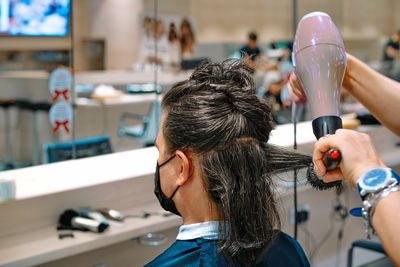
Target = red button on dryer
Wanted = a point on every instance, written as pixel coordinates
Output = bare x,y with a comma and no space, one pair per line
335,154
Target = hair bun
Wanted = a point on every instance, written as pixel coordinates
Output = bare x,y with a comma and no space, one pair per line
231,72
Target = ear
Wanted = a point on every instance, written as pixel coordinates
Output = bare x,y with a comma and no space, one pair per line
186,167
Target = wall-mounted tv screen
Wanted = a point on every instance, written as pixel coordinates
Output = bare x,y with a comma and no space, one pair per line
34,17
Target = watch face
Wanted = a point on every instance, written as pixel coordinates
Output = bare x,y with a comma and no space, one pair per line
375,177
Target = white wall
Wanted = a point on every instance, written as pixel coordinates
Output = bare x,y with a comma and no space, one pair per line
364,24
368,19
117,22
169,7
396,11
231,20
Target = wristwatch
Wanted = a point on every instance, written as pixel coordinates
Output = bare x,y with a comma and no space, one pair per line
374,185
375,180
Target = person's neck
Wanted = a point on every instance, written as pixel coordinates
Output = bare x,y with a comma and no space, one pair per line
199,219
200,212
194,202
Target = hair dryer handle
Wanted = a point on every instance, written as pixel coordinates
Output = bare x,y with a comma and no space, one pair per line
332,159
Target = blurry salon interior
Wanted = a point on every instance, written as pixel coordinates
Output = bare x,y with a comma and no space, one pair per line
81,90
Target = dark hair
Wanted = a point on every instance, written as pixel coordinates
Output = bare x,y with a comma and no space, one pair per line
186,39
172,34
253,36
216,114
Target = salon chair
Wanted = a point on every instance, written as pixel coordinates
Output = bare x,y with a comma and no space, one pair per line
143,127
370,245
143,88
84,90
192,63
8,163
85,147
36,109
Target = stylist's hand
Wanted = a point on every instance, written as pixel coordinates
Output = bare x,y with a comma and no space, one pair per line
358,156
295,88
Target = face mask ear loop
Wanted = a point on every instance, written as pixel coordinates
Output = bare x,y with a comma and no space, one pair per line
173,194
159,166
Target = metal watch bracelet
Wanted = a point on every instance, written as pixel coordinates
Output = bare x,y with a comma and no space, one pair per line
369,205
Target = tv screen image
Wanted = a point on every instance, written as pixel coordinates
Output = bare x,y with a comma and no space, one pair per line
34,17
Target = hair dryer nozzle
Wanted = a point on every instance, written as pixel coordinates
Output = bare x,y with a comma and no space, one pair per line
326,125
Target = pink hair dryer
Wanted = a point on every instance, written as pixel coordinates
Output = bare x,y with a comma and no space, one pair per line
319,58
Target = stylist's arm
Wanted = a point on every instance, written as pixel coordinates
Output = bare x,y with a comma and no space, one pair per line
358,157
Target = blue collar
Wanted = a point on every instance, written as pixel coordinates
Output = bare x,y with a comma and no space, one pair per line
206,230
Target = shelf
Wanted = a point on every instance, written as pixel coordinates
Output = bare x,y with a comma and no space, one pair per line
43,245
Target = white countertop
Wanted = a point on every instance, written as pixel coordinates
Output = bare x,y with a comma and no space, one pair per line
63,176
73,174
25,74
124,99
115,77
123,77
283,135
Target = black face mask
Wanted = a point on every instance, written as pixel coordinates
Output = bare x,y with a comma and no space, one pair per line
165,202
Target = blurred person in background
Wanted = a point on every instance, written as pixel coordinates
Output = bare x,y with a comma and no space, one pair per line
391,50
173,46
250,51
391,57
187,40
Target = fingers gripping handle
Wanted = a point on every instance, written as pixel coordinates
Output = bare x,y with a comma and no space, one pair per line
323,126
332,159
